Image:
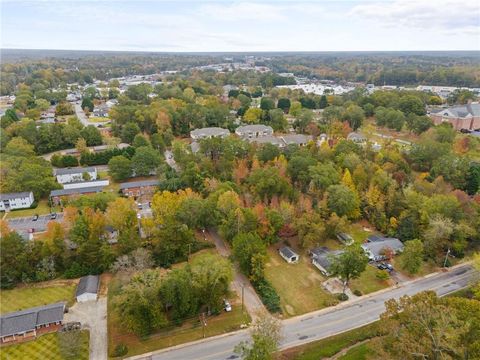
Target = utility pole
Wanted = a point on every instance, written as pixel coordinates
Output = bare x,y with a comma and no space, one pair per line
446,258
203,320
243,290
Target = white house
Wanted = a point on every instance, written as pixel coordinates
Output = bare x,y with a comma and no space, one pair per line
87,289
209,132
76,174
288,254
12,201
86,184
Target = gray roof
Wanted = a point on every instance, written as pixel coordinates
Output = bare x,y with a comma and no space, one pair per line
376,238
18,195
88,284
132,184
84,190
254,128
355,137
287,252
461,110
269,139
26,320
377,248
323,256
298,139
75,170
344,237
210,131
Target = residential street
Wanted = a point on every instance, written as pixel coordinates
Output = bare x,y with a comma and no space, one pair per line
81,114
252,302
323,323
93,316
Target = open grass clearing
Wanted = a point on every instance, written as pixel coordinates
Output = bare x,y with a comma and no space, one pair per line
98,119
298,285
44,347
368,281
25,297
41,209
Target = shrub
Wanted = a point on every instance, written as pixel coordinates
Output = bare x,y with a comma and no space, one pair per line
120,350
357,292
382,275
342,297
268,295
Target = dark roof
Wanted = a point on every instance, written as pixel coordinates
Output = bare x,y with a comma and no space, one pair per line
26,320
74,170
287,252
88,284
132,184
325,258
10,196
319,251
84,190
375,238
344,237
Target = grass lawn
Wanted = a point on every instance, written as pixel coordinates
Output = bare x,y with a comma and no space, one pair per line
330,346
427,267
94,119
358,234
368,281
42,209
298,285
45,347
36,295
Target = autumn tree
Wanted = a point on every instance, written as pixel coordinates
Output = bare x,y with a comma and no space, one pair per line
349,265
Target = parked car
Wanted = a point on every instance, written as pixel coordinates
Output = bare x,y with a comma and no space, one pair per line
382,266
35,217
226,305
53,216
389,267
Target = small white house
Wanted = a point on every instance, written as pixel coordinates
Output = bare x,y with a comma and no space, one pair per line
76,174
85,184
13,201
87,289
289,255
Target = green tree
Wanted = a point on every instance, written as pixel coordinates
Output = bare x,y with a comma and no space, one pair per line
120,168
355,115
145,161
87,103
284,104
129,130
411,104
64,108
267,103
140,140
342,201
246,249
412,256
349,265
92,135
324,175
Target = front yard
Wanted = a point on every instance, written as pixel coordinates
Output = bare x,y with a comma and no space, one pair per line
25,297
298,285
45,347
42,209
368,281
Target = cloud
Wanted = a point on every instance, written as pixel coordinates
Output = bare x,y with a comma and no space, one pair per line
449,16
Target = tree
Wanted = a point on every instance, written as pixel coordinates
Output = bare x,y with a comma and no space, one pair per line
267,103
145,161
177,291
64,108
349,265
13,259
18,146
120,168
342,201
411,104
140,140
91,135
355,115
252,115
129,130
412,256
87,103
248,250
323,103
310,229
427,327
277,120
284,104
266,336
268,152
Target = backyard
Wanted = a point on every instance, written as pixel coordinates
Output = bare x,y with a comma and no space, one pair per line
39,294
44,347
298,285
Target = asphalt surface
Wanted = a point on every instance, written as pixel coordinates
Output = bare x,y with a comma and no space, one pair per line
27,223
323,323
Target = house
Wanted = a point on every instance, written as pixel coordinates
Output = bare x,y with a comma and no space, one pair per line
100,111
269,139
296,139
56,196
85,184
289,255
138,188
356,138
76,174
345,238
13,201
87,288
378,250
208,133
462,117
24,324
322,258
254,131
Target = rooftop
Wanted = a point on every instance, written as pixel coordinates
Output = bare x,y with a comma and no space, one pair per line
74,170
253,128
287,252
88,284
132,184
19,195
209,131
84,190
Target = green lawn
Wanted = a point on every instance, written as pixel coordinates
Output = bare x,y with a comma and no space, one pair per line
94,119
45,347
330,346
42,209
298,285
27,297
359,352
368,281
427,267
358,234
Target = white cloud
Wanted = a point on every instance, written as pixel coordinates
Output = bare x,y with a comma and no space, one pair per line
449,16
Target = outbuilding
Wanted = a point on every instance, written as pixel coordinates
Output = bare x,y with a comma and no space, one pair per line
289,255
87,288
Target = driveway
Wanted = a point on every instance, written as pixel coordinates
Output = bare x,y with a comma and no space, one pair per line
240,282
93,316
26,223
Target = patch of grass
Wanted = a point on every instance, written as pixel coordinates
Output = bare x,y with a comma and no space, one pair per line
359,352
358,234
94,119
332,345
426,268
298,285
368,281
42,209
26,297
44,347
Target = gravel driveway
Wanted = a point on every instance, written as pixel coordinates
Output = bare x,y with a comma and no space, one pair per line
93,316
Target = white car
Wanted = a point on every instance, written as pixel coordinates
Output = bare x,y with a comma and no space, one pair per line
226,305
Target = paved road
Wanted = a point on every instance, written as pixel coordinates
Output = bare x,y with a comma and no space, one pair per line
323,323
80,114
93,316
26,223
240,282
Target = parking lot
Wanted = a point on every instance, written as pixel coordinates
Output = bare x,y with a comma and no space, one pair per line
27,223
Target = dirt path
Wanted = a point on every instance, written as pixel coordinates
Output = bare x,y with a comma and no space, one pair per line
345,350
240,282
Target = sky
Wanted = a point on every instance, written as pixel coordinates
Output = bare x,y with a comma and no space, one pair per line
192,26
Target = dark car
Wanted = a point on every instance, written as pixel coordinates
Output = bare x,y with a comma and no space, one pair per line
382,266
53,216
35,217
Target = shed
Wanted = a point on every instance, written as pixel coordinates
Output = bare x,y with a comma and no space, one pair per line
289,255
87,288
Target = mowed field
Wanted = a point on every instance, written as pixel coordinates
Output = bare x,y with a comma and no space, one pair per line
45,347
22,298
298,285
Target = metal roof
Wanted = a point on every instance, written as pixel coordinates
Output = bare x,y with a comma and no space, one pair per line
84,190
75,170
210,131
26,320
377,248
132,184
287,252
88,285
